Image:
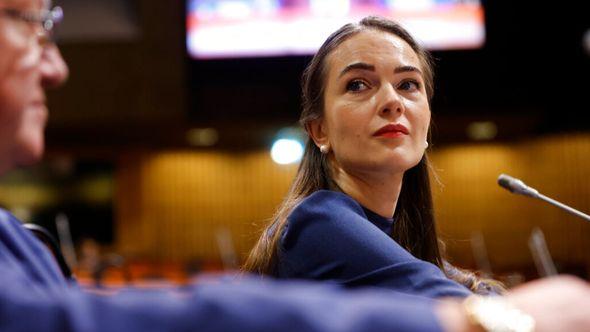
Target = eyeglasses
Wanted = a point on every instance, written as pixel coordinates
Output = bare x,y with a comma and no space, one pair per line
47,19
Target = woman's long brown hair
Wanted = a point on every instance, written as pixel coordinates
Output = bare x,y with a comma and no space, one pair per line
414,227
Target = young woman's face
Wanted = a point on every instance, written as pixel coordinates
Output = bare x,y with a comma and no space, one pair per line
376,111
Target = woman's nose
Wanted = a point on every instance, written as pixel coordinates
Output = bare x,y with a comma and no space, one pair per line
390,102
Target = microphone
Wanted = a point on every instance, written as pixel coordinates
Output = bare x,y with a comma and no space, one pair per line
516,186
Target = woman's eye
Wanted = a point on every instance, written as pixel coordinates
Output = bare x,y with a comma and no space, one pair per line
410,85
356,86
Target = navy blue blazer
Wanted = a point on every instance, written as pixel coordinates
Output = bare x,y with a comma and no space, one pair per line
34,296
329,236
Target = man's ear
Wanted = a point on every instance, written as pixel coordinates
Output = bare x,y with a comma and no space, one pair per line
317,131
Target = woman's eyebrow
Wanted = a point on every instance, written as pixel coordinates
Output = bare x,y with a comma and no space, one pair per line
369,67
405,69
357,65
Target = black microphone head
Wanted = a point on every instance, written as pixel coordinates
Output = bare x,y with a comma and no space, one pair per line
506,182
516,186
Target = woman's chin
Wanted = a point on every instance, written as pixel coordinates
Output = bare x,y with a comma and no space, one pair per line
400,162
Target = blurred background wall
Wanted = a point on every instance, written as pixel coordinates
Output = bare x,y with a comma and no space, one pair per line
158,157
172,205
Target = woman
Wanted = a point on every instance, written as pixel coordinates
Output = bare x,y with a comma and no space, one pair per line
360,209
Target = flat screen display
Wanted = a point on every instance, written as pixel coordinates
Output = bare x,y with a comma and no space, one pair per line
261,28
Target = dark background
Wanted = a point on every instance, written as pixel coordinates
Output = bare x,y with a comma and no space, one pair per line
531,78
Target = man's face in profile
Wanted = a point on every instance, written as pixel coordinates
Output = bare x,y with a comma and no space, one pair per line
28,65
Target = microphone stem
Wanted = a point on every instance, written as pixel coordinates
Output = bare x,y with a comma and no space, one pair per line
563,206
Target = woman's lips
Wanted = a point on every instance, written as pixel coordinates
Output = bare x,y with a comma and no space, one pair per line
392,130
392,134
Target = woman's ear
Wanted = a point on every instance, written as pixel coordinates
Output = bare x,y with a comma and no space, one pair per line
318,133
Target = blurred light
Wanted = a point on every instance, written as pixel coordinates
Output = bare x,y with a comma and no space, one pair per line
202,137
587,41
234,9
411,5
278,28
330,7
286,151
482,131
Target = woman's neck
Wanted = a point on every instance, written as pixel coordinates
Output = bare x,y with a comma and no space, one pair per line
378,193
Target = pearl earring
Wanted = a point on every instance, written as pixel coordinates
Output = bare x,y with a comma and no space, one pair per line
324,149
425,144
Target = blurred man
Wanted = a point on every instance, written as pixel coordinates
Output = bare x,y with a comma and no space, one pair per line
35,296
28,65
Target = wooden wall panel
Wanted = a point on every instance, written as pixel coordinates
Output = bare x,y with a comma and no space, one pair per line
170,205
469,199
185,198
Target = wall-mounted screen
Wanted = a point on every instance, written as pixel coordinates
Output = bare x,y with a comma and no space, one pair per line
252,28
